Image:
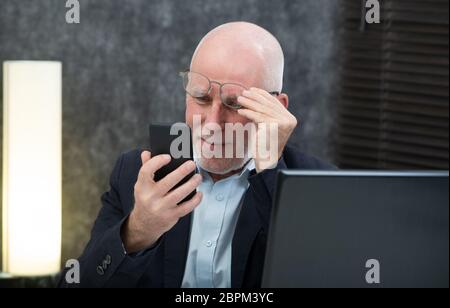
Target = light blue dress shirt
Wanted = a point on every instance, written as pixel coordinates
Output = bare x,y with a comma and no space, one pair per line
208,263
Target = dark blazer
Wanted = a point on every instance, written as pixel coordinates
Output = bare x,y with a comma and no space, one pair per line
104,263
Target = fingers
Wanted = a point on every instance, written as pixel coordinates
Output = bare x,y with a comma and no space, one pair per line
256,96
145,157
252,115
148,170
173,178
265,94
260,106
254,105
263,97
187,207
177,195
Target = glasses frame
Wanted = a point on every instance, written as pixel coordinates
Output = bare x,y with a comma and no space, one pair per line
221,85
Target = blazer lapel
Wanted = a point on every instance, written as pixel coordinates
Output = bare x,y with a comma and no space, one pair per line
248,226
254,217
175,252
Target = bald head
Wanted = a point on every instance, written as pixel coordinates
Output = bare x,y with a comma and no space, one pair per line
241,52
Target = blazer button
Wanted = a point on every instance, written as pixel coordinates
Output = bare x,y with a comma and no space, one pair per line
108,259
100,271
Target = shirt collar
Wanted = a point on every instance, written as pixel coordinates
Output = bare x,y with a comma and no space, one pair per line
248,167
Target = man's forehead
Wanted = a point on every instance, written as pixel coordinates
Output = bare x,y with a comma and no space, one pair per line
242,66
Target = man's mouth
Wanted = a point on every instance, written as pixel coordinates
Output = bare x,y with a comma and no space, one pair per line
212,142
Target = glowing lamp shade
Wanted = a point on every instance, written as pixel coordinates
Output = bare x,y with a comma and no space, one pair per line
32,128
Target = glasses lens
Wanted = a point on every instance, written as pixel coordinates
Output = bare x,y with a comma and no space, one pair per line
196,85
230,93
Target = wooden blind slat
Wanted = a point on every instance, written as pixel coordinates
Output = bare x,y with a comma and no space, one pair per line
394,106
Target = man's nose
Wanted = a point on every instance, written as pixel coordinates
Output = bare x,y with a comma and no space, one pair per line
217,112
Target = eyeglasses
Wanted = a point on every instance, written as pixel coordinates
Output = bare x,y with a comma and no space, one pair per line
199,87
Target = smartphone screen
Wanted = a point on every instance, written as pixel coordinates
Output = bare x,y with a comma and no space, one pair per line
175,140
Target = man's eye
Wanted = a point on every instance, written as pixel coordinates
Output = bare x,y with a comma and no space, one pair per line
204,99
232,102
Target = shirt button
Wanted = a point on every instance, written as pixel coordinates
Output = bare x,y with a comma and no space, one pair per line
208,243
219,197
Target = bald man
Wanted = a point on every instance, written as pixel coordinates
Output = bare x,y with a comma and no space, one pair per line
142,238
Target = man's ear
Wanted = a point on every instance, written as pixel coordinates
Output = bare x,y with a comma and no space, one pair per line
284,99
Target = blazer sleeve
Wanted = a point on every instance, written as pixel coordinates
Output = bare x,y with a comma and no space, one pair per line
104,261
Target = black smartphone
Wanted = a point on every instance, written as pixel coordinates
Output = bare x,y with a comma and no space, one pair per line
176,141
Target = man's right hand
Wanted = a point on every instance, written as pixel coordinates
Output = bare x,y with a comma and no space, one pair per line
155,209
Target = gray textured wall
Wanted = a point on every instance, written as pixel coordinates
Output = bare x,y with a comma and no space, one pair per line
120,72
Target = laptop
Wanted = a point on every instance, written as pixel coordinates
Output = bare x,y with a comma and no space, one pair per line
338,229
